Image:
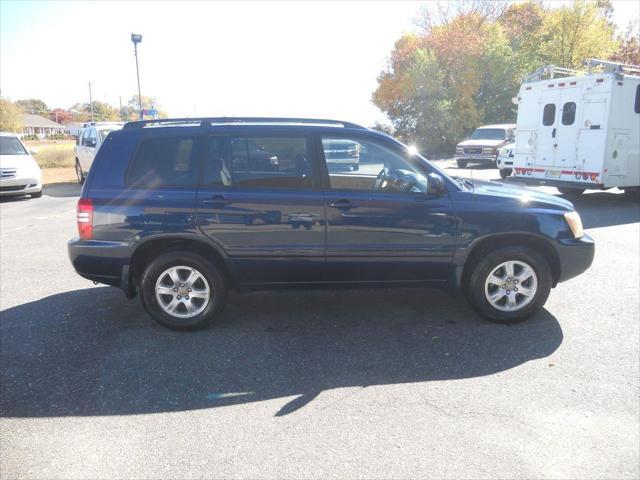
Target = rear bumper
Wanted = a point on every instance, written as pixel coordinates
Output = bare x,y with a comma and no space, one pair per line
102,262
555,183
576,256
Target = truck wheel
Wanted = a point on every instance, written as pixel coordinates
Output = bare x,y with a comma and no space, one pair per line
79,172
632,193
571,191
461,163
182,291
505,172
509,284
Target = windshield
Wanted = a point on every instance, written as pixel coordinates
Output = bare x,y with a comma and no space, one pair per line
104,133
11,146
489,134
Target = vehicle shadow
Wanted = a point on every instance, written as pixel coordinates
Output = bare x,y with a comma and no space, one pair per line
62,189
90,352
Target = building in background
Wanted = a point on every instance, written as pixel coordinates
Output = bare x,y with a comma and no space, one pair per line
40,126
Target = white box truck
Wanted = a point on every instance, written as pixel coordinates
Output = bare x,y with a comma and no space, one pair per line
579,130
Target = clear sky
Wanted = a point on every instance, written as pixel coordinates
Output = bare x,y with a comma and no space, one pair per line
209,58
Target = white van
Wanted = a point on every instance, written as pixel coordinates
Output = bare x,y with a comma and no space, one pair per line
580,131
88,142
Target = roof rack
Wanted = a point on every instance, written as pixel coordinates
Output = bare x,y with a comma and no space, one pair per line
208,121
612,67
606,66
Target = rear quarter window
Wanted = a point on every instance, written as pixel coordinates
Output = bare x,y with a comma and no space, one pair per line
112,159
636,107
164,162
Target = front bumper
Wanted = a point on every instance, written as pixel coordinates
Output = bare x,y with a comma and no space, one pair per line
476,158
102,262
20,186
576,256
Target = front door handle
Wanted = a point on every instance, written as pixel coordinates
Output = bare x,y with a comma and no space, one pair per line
553,132
342,204
217,201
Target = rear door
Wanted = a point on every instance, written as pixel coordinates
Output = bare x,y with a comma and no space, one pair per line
568,128
547,128
258,201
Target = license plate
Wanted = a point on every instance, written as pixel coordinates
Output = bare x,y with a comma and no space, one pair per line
552,173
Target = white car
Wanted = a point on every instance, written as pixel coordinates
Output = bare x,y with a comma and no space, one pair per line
504,161
19,172
88,143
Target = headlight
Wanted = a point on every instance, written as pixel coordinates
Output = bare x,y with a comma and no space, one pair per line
459,150
575,224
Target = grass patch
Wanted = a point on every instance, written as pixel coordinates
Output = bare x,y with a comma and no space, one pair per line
56,155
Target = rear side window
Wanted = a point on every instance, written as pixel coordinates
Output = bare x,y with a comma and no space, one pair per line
164,162
636,108
568,113
259,162
549,114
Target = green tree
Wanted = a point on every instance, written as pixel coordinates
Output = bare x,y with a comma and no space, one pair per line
571,34
10,116
132,110
32,105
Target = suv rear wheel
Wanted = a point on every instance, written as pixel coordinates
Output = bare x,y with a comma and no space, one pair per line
509,284
182,291
461,163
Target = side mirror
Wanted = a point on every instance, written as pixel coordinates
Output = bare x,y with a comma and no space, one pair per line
33,151
435,184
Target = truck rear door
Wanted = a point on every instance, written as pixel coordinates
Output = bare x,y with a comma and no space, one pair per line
547,128
568,127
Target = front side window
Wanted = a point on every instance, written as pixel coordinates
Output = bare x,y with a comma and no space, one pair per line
11,146
361,164
549,114
568,113
164,162
259,162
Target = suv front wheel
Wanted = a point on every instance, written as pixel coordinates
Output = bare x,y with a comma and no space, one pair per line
182,291
510,284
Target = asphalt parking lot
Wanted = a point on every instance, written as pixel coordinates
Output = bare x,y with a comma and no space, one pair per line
357,384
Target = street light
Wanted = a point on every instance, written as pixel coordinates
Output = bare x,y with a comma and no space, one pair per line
136,38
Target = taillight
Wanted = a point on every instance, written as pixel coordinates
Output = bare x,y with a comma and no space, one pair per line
85,218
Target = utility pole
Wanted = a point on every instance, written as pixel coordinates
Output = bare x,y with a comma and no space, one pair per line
121,116
136,39
90,102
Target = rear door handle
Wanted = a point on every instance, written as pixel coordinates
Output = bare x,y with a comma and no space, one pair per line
342,204
217,201
553,133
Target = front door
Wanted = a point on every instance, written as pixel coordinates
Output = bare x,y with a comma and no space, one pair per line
547,128
257,200
381,224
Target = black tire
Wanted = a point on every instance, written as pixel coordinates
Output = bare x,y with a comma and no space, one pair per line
37,194
632,193
461,163
79,173
176,258
571,191
505,172
486,265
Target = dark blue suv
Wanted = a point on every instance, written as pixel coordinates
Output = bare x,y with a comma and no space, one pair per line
183,210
